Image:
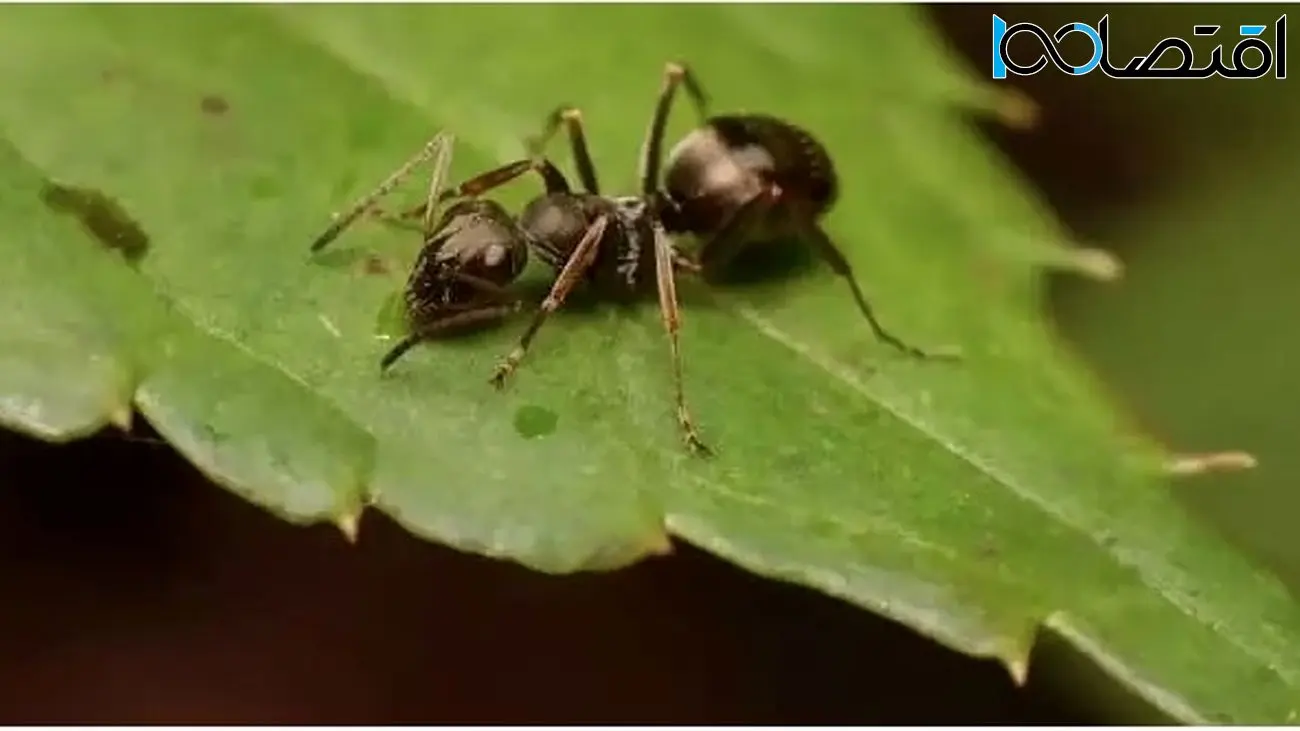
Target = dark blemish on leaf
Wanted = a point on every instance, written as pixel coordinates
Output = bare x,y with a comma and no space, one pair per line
101,216
340,258
114,74
374,264
213,434
214,105
535,421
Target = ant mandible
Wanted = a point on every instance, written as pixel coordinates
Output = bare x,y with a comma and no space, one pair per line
736,180
477,249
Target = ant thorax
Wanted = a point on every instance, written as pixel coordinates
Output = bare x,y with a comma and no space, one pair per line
631,214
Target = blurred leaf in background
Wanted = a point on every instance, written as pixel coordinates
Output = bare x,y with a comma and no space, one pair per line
1194,338
1197,338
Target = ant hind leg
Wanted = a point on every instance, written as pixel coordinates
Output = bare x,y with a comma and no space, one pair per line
837,261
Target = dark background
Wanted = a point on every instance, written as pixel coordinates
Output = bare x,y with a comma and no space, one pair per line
173,601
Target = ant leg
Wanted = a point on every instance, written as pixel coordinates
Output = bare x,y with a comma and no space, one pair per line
506,303
478,185
675,74
671,314
430,330
582,258
684,263
441,164
571,118
835,258
440,144
389,219
720,248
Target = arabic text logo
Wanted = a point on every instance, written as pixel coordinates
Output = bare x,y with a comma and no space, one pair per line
1155,64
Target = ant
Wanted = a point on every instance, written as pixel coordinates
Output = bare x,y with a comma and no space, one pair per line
477,249
736,180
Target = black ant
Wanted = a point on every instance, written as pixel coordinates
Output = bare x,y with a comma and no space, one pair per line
477,249
737,180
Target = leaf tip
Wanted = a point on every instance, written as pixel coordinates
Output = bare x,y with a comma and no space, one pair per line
349,523
1189,465
659,543
1096,264
1018,667
1015,658
1008,105
1052,252
1016,109
121,415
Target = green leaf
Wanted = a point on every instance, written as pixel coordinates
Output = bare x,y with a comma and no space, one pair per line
972,501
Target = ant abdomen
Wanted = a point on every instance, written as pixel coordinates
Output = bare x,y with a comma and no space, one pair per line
732,159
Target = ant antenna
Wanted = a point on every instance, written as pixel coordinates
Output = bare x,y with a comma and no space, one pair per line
441,143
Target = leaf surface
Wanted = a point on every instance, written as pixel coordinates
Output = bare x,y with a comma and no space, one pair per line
972,501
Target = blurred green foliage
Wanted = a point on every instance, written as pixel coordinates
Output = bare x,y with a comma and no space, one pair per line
1200,336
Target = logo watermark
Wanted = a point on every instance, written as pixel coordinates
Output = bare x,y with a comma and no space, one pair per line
1154,65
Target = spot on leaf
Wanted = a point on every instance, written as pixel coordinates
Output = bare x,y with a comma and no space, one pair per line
535,421
101,216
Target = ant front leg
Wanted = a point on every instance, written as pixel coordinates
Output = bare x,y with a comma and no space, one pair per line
480,184
840,264
671,314
440,146
429,325
396,221
441,164
675,74
571,118
584,255
466,318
